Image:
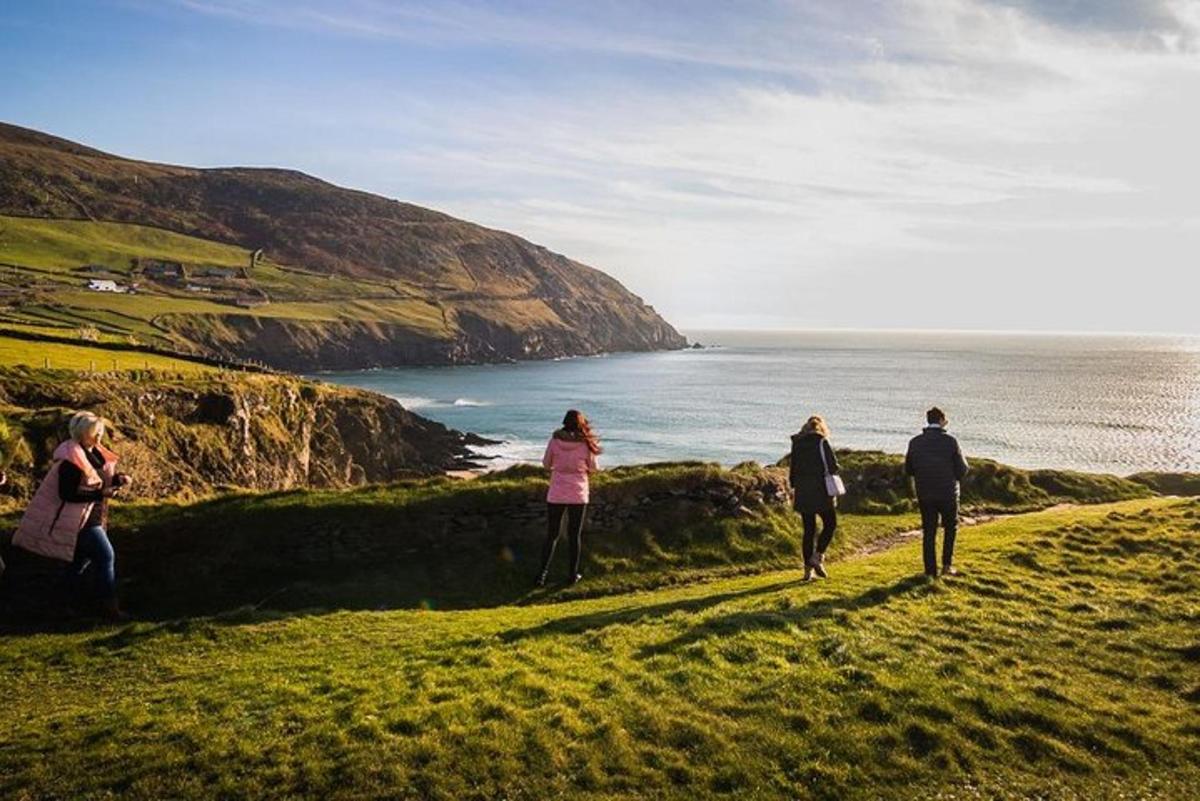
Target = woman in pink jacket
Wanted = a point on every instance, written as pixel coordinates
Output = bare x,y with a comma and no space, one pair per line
68,515
570,458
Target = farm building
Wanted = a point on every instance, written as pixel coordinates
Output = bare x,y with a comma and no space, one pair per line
154,268
213,271
104,285
251,301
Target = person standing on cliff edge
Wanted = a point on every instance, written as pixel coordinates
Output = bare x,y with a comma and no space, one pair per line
570,457
936,463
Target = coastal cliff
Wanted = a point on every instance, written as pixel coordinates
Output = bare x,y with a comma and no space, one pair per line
280,267
311,345
188,436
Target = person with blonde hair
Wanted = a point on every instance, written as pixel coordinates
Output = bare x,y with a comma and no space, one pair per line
813,474
67,517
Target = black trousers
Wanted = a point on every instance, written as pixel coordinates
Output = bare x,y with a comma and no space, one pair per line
933,510
574,512
812,543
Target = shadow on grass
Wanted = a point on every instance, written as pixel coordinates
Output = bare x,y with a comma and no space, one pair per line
775,619
726,624
577,624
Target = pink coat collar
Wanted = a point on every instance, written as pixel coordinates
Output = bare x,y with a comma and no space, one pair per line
71,451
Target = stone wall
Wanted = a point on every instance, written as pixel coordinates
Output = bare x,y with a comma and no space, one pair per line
464,544
617,504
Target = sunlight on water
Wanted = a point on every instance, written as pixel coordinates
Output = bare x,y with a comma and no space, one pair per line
1112,404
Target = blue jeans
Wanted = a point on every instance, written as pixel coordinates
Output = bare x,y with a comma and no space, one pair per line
93,549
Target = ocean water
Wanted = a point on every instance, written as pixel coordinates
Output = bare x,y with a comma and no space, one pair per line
1097,403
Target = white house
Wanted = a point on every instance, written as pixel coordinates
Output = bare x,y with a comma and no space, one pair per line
104,285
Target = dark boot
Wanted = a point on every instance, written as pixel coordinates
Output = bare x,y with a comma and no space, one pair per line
110,610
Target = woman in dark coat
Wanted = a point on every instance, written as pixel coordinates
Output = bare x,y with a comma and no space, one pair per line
812,459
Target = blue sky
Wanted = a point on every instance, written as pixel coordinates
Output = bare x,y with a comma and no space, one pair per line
969,164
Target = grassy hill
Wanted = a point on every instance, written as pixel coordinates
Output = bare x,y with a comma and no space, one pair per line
1063,664
354,280
82,357
63,245
44,271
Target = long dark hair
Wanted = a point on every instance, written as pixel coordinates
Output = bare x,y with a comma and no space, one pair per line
575,422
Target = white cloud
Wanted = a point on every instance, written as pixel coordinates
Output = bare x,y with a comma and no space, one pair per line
815,152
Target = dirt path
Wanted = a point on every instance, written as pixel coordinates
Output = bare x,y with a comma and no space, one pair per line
965,521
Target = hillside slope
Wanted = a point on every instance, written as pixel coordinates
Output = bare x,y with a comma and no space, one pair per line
500,296
1052,668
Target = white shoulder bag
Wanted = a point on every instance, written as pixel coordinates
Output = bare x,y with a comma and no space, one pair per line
833,484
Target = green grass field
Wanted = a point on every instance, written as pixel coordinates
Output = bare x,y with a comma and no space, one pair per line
47,252
66,356
66,244
1063,664
60,246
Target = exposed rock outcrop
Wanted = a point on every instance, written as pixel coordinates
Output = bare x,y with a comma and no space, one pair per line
311,345
189,436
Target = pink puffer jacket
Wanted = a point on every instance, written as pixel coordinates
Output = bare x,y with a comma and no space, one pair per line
51,525
569,461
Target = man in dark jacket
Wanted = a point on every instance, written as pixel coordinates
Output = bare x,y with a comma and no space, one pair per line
936,463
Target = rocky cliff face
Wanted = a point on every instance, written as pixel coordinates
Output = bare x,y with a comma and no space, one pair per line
310,345
189,436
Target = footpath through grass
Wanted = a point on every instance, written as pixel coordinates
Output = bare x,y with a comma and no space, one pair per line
1063,664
